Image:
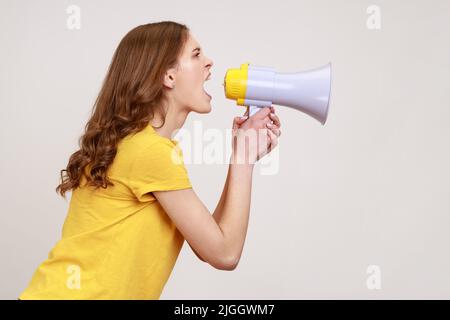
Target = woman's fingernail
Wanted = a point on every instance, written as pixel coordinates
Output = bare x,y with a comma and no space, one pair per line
269,125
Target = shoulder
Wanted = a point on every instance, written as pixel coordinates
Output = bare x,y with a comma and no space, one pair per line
145,143
162,150
157,166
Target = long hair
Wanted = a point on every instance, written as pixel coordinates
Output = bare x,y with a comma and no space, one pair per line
130,94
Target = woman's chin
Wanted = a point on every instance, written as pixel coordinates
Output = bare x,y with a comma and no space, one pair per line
205,106
206,109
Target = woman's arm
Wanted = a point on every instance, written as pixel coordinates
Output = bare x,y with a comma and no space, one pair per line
217,238
218,211
217,215
219,242
232,212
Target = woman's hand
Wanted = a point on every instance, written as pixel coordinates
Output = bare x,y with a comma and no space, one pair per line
255,136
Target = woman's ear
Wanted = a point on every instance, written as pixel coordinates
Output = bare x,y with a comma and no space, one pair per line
169,78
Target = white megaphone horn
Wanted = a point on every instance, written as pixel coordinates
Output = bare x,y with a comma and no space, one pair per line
257,87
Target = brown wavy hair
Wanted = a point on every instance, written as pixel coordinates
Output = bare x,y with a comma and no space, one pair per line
130,94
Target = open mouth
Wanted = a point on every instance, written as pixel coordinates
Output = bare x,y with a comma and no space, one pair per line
206,93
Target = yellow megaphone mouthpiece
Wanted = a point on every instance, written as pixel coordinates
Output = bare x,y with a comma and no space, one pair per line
235,83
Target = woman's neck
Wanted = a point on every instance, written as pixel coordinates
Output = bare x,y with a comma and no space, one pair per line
174,120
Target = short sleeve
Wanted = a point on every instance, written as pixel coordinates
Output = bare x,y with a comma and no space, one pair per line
158,167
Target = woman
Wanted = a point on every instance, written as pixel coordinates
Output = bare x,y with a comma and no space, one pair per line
132,205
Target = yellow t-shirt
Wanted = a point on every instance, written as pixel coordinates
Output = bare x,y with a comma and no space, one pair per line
118,242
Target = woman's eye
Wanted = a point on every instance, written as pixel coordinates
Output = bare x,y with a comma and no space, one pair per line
198,54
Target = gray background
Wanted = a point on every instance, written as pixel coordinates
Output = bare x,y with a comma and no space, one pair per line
370,187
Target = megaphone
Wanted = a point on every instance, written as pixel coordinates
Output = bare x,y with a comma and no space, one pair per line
257,87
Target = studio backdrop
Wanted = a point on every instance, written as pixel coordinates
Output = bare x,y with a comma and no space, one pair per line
356,208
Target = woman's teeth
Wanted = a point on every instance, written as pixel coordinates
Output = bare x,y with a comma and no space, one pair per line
206,91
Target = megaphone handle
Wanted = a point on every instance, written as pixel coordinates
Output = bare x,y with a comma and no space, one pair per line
252,110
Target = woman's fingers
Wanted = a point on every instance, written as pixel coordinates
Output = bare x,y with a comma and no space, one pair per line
237,121
261,113
273,140
275,129
275,119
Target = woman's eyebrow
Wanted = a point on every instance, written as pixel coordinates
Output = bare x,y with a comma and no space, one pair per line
196,49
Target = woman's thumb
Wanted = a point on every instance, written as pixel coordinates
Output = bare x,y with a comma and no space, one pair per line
238,121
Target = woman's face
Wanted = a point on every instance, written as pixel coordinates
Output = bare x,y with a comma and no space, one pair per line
187,81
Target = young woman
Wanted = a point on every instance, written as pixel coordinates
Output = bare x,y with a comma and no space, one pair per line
132,205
